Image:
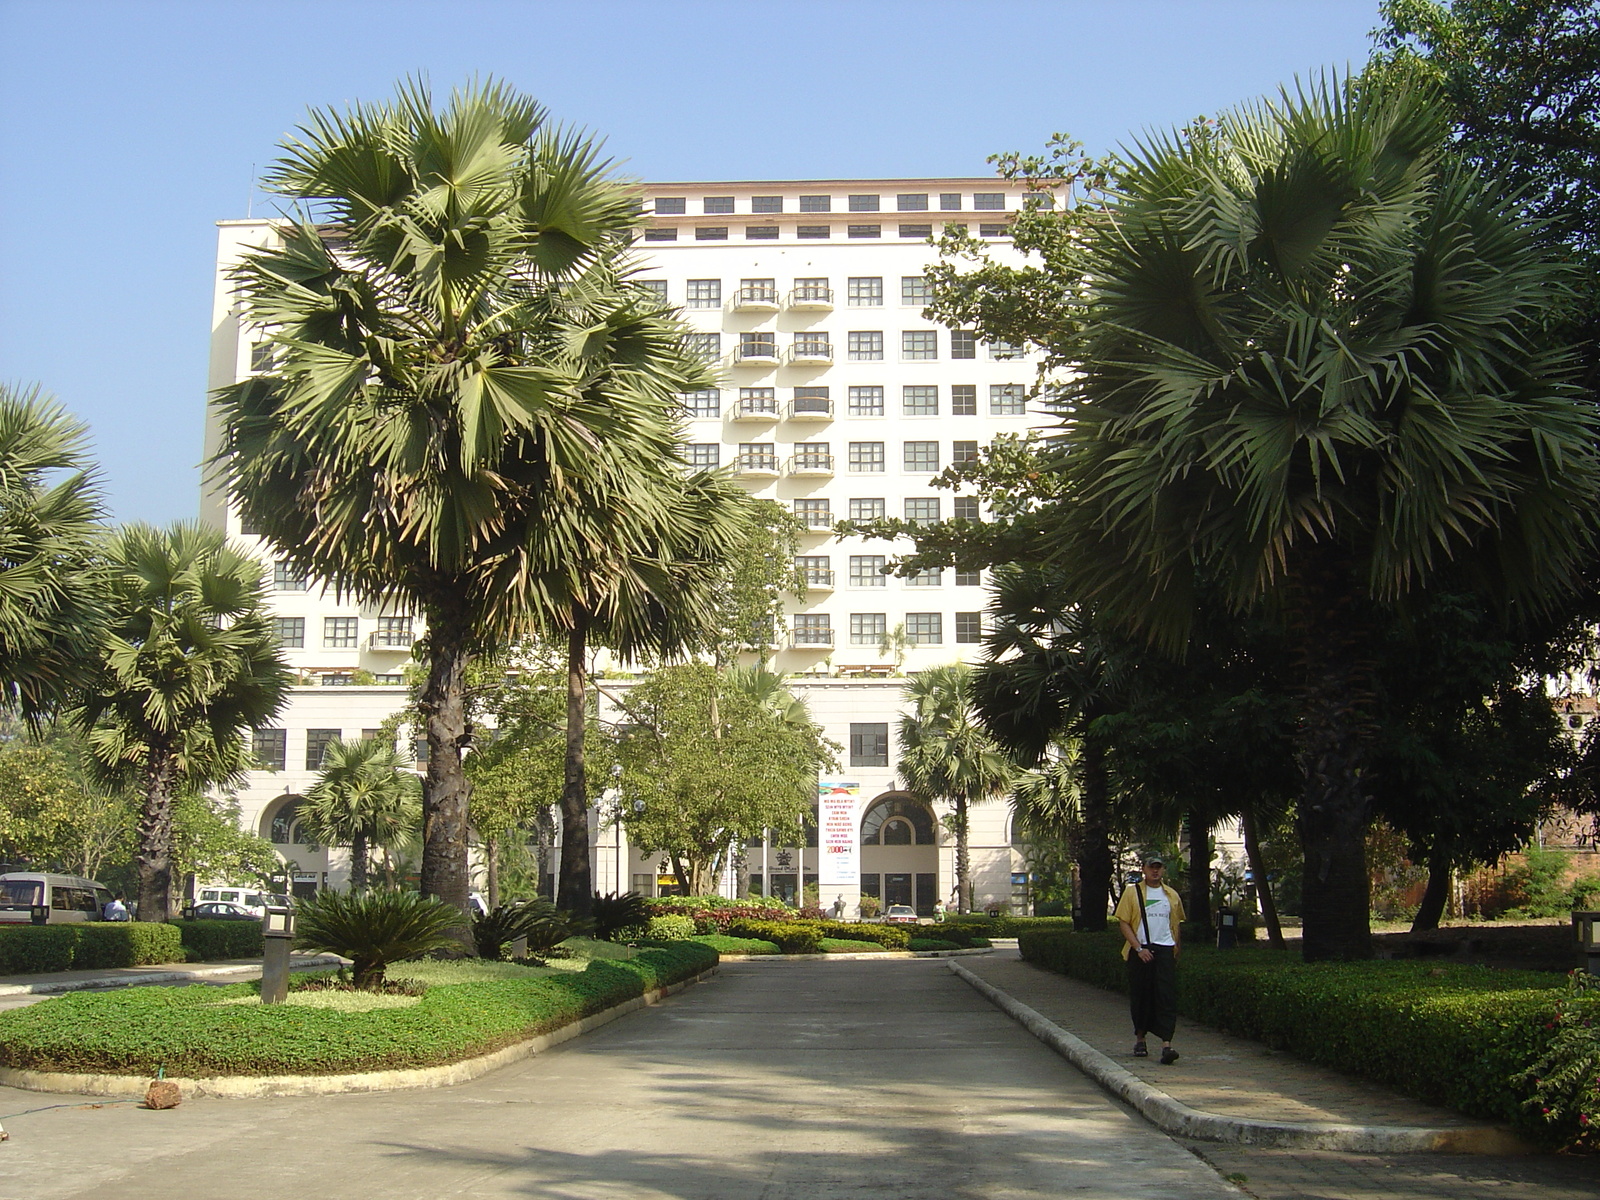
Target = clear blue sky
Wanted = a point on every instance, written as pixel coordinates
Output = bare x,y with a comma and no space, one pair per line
130,126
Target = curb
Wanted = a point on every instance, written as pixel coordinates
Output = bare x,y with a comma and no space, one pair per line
865,956
258,1086
107,982
1174,1117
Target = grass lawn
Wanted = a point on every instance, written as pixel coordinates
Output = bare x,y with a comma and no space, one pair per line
851,946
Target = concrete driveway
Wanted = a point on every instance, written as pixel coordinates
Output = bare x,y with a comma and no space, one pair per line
772,1080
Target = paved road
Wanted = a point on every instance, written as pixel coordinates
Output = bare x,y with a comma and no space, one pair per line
769,1082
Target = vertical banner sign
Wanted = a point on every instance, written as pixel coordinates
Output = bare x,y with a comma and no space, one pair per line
839,837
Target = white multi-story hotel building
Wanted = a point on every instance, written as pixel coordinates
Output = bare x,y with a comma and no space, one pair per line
839,400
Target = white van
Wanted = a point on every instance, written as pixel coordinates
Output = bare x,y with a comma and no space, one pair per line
60,899
252,898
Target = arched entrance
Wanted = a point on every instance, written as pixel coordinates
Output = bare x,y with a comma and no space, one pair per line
900,852
307,859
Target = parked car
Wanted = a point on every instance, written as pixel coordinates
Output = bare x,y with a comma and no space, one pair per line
900,914
252,898
218,911
41,898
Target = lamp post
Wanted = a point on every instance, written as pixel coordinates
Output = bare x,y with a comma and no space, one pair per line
616,831
277,937
1586,926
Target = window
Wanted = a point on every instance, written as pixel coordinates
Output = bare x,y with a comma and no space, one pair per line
965,508
868,509
994,231
759,291
262,357
924,629
660,235
919,345
317,741
914,290
672,205
656,286
868,629
963,343
1004,351
813,456
1040,199
963,452
766,204
339,633
921,456
985,201
920,401
963,399
271,747
812,400
969,628
758,456
927,577
812,345
865,291
289,632
286,577
863,204
812,629
711,233
707,402
754,400
864,346
816,203
1007,400
759,233
866,456
866,401
707,345
969,578
813,231
950,201
916,231
922,510
866,570
813,289
394,633
817,569
758,345
717,204
704,293
911,202
814,514
869,744
702,455
864,231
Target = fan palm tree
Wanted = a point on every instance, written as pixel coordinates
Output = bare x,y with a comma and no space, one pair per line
51,594
188,666
947,754
1313,369
472,407
364,796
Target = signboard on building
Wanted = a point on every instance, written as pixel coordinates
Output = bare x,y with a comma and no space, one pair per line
839,836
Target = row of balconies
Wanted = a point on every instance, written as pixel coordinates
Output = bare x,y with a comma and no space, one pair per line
768,466
761,350
806,298
767,408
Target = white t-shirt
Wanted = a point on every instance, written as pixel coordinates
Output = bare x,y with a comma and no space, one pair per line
1158,911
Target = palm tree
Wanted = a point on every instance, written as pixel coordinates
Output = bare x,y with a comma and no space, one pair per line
51,594
947,754
188,666
364,796
472,406
1313,369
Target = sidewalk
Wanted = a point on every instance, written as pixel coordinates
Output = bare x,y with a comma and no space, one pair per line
230,970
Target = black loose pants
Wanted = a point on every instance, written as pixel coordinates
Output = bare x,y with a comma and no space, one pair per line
1153,992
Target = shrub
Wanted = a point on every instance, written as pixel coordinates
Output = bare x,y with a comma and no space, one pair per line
671,928
613,912
1450,1034
542,923
32,949
208,941
87,946
890,937
723,944
374,928
1565,1081
1002,926
791,937
832,945
870,906
924,943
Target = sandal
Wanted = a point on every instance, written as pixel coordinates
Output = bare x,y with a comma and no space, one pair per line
1140,1050
1168,1057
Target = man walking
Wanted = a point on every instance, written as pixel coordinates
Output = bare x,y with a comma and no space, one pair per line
1150,915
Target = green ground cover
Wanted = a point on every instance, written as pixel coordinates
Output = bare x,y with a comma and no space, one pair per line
197,1031
723,944
831,945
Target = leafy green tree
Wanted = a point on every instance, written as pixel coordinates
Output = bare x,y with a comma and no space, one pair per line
51,594
714,758
209,843
188,667
364,796
54,816
947,754
474,412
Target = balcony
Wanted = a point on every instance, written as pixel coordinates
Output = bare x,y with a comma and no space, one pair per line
763,353
811,639
391,639
811,408
818,579
811,352
811,299
753,410
756,466
756,300
812,464
816,522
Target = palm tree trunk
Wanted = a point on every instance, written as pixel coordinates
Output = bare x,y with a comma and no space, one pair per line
445,789
1258,868
491,851
153,859
1094,854
359,858
575,889
1436,893
1199,871
963,859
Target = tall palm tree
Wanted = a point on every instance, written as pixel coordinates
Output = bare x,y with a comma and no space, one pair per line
364,796
189,665
1313,368
467,386
947,754
51,594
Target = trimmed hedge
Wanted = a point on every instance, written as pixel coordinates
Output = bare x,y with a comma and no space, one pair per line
1449,1034
890,937
187,1032
87,946
1000,926
832,945
723,944
791,937
209,941
933,944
